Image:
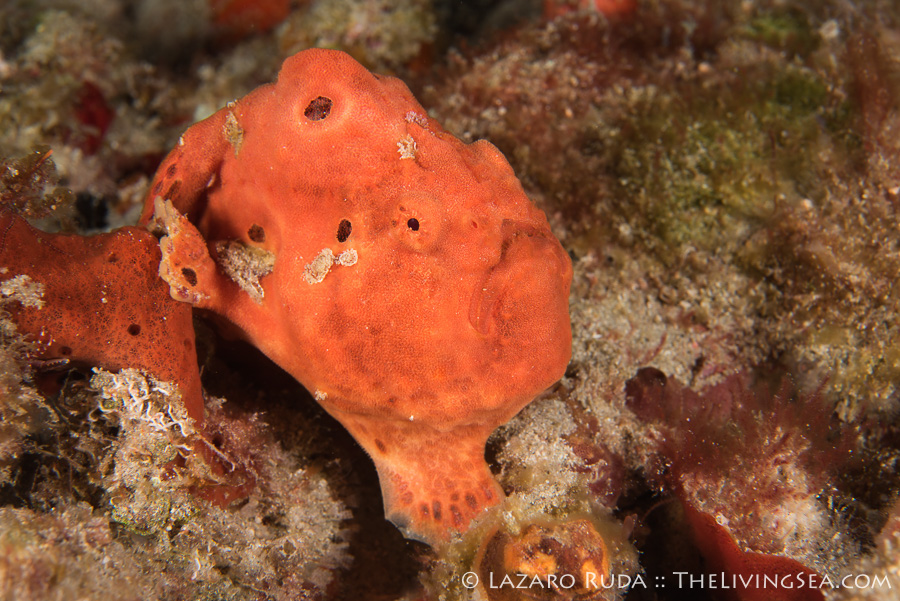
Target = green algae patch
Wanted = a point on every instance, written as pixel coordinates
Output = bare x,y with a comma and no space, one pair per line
707,162
787,29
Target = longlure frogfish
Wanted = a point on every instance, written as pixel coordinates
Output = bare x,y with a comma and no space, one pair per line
400,275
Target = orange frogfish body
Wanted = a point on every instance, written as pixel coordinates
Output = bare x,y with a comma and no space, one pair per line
402,276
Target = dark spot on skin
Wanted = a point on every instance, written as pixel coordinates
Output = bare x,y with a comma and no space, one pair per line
65,351
344,229
112,258
454,496
157,188
134,329
318,109
190,275
256,233
380,445
436,509
173,189
407,498
471,501
188,344
413,224
170,172
457,516
424,509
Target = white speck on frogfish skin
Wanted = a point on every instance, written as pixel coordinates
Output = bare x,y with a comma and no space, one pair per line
316,270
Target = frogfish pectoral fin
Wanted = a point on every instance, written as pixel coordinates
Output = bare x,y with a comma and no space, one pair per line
433,482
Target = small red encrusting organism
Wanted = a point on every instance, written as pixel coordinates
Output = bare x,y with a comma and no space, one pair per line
609,8
94,114
402,276
242,17
99,302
